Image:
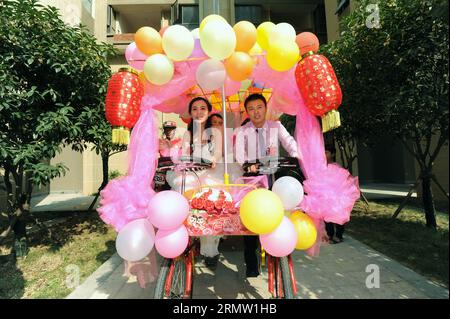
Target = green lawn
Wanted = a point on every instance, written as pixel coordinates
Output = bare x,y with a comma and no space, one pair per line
82,241
405,239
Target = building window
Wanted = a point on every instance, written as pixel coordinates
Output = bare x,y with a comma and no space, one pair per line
111,21
190,16
254,14
342,5
186,15
88,5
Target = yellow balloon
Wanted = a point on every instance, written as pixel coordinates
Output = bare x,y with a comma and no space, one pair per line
211,17
255,50
261,211
282,56
306,230
262,34
282,32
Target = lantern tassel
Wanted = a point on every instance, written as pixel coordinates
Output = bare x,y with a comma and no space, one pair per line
121,135
330,121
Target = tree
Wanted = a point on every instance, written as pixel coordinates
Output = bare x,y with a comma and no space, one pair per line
50,73
392,62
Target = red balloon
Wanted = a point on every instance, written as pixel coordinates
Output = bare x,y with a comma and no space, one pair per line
306,42
318,84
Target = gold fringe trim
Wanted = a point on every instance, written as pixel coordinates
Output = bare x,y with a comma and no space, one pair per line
121,135
330,121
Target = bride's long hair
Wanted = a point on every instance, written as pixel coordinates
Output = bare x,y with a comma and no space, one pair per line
190,126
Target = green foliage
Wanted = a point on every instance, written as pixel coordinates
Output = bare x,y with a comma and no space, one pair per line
52,77
114,174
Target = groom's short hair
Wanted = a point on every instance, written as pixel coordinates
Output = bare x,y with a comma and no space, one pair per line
254,97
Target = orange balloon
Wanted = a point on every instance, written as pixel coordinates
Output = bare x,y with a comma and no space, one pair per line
306,42
245,35
239,66
148,41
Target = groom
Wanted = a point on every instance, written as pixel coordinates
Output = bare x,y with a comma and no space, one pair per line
255,142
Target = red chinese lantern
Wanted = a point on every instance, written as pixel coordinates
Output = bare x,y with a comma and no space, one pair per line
123,102
320,89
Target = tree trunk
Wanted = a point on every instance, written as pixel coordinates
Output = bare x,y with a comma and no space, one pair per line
20,233
428,202
105,166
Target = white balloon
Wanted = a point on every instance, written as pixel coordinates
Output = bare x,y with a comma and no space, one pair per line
282,32
218,39
289,190
135,240
158,69
211,74
178,42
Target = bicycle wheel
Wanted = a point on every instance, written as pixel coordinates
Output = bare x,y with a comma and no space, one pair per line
288,291
178,283
162,278
177,280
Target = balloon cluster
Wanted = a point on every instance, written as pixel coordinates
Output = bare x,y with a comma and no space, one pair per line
228,52
166,211
263,212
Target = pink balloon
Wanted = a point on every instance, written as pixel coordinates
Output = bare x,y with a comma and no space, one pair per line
211,74
135,240
231,87
198,51
134,57
282,241
167,210
171,243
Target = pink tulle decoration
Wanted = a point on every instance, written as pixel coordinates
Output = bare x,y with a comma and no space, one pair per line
126,199
183,79
231,87
330,190
332,193
198,51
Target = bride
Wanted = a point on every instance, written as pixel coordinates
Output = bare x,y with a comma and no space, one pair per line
202,141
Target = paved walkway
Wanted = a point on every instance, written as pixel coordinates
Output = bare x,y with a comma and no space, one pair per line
339,272
61,202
